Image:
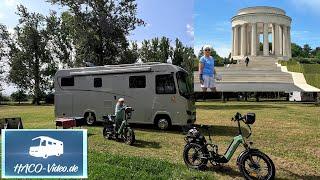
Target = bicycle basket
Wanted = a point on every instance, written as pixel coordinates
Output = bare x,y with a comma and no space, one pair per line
250,118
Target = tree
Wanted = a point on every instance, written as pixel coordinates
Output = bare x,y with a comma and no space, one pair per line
130,54
306,50
145,51
165,49
98,28
296,50
60,36
4,42
188,64
155,50
30,59
19,96
178,53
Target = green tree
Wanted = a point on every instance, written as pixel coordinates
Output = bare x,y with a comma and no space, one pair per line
19,96
306,50
188,64
178,53
165,49
130,54
98,28
155,50
296,50
60,33
145,51
4,42
30,60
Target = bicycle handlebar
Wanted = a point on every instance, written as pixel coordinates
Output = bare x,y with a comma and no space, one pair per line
238,117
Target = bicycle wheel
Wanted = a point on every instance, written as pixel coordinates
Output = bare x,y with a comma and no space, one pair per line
129,136
256,165
194,156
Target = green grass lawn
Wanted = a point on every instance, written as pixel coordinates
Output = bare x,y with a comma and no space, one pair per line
289,133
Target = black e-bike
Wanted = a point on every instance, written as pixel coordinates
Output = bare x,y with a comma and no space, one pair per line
125,132
252,163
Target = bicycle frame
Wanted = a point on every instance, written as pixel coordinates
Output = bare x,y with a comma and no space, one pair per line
237,140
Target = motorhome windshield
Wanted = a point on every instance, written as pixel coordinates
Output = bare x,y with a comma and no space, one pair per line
36,142
183,84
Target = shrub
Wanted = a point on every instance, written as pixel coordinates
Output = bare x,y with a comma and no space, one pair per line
19,96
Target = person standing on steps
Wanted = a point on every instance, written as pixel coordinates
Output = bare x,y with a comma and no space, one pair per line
207,71
247,61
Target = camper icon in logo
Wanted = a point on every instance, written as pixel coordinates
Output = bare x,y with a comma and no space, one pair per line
46,146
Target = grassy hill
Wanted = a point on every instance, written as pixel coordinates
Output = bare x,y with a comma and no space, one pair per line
310,71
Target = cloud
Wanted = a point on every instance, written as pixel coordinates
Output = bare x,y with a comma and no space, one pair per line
1,15
10,2
190,30
313,5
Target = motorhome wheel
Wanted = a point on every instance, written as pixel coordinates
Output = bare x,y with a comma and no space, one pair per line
163,123
90,118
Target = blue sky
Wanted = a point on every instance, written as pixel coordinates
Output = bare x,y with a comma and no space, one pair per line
212,21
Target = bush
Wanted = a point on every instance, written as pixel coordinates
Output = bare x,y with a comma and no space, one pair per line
19,96
49,99
4,98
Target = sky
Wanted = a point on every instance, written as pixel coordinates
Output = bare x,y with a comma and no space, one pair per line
212,21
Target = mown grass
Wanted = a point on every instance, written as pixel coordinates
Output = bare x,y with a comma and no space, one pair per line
287,132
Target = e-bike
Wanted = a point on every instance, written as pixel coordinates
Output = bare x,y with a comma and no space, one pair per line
252,163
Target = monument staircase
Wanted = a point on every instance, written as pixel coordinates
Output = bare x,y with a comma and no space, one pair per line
263,74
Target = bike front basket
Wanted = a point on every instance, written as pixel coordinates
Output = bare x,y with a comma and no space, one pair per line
250,118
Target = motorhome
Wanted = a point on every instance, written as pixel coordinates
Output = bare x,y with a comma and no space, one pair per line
46,146
159,92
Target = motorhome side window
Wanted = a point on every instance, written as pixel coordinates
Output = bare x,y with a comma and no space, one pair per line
97,82
67,81
137,81
165,84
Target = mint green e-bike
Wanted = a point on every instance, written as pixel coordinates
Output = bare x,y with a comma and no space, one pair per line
252,163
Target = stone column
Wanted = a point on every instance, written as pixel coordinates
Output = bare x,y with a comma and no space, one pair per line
236,41
280,40
285,41
265,40
232,45
243,40
289,42
273,37
276,40
254,40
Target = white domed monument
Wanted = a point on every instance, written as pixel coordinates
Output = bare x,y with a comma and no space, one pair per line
251,23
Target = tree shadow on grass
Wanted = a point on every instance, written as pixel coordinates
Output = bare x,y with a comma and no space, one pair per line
225,170
216,130
147,144
240,107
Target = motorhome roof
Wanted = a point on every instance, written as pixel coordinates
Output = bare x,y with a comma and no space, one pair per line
113,71
44,137
122,68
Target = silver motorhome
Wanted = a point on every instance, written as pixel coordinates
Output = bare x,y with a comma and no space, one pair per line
159,93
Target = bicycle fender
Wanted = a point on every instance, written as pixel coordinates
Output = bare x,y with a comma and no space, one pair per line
245,152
